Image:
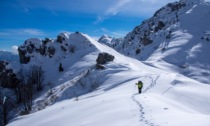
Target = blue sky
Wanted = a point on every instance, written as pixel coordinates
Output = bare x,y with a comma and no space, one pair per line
22,19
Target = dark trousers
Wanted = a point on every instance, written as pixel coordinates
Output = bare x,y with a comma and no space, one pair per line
139,90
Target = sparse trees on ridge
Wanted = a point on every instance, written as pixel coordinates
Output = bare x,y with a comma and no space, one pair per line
36,76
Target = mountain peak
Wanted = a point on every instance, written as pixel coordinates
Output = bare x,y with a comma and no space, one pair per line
65,43
65,35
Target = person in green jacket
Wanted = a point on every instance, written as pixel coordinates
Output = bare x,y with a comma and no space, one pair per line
140,86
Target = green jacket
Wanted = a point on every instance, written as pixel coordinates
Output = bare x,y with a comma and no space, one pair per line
140,84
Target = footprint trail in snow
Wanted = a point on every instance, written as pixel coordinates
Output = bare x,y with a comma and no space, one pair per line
139,104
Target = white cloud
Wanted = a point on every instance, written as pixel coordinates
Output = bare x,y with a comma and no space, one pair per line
131,8
143,8
117,33
28,32
111,10
114,9
103,8
85,6
98,7
99,19
15,49
104,30
32,31
10,37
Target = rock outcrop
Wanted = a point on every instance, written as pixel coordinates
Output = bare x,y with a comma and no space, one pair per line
102,59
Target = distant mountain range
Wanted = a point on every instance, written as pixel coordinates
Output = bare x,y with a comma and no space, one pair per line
8,56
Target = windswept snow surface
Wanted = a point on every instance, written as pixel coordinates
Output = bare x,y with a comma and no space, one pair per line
168,98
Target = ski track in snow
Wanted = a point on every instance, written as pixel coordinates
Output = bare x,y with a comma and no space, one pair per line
141,108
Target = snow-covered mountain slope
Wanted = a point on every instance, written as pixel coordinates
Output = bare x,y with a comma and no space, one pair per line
76,52
177,34
168,98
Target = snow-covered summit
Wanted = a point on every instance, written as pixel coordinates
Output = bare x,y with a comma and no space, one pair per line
65,44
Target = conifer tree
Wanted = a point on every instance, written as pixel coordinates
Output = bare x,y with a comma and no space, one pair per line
60,69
